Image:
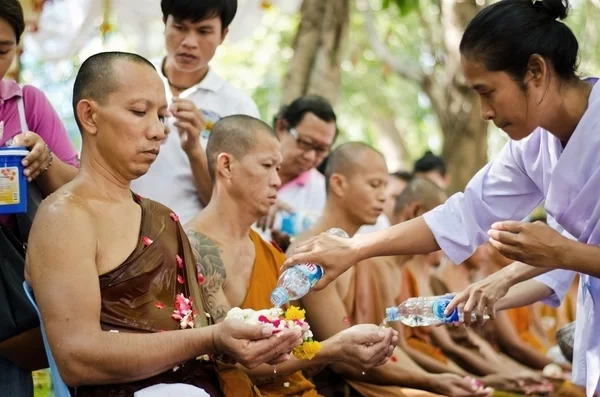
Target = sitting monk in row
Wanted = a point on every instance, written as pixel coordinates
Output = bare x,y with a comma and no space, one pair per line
448,278
397,279
240,269
113,274
510,331
355,197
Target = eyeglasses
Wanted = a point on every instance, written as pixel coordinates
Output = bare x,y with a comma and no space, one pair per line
306,146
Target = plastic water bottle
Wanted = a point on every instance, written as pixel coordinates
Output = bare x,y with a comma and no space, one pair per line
426,311
296,281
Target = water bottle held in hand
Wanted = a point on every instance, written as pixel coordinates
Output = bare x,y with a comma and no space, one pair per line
426,311
296,281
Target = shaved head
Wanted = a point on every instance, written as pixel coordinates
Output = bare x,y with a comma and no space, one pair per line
348,158
97,77
236,135
421,190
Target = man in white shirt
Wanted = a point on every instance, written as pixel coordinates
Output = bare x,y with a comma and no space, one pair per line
307,130
198,97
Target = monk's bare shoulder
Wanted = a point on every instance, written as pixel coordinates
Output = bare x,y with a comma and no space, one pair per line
64,207
63,223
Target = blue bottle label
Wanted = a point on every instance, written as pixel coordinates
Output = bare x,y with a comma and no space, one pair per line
312,272
439,306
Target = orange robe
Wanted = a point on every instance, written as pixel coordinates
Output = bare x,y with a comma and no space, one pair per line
369,272
265,274
418,337
519,317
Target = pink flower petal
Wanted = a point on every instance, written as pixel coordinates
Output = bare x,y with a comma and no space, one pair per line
176,316
180,279
174,216
179,261
200,279
159,305
147,241
263,319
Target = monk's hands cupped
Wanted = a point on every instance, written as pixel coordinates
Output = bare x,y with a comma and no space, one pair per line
535,244
480,299
334,254
365,346
452,385
252,345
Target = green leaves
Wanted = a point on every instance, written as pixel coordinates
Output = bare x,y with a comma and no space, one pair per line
404,6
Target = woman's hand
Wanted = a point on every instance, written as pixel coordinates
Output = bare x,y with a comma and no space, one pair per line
39,158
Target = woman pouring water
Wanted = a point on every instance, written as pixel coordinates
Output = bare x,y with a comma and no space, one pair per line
522,62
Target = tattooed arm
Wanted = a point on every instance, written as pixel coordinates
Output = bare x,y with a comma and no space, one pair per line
208,259
209,263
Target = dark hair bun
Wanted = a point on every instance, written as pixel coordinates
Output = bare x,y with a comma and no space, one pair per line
555,9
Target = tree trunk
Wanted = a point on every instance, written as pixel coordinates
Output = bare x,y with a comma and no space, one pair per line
465,132
454,104
315,66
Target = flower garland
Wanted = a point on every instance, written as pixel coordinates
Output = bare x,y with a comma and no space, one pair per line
292,318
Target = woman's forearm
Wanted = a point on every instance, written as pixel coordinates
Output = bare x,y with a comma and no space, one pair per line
407,238
524,294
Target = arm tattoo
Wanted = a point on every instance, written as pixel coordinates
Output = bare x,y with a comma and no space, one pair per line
207,255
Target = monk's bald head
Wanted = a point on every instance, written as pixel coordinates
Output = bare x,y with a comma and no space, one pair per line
235,135
349,158
98,77
420,191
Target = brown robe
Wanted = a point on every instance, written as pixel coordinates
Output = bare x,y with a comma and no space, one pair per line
139,297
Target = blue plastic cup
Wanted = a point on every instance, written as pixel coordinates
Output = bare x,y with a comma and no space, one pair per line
13,183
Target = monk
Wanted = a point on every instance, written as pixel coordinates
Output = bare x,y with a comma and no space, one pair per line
450,278
113,273
356,177
410,278
512,327
240,269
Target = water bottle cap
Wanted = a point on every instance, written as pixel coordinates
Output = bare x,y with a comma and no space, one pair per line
392,314
336,231
279,297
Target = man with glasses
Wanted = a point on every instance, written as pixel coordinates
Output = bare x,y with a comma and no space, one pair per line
307,129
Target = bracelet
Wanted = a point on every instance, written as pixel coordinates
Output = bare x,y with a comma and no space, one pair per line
51,157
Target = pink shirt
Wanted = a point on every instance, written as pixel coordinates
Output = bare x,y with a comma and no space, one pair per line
41,119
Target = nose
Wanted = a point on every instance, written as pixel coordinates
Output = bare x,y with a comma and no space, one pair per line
381,196
275,180
158,130
310,155
189,41
487,113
